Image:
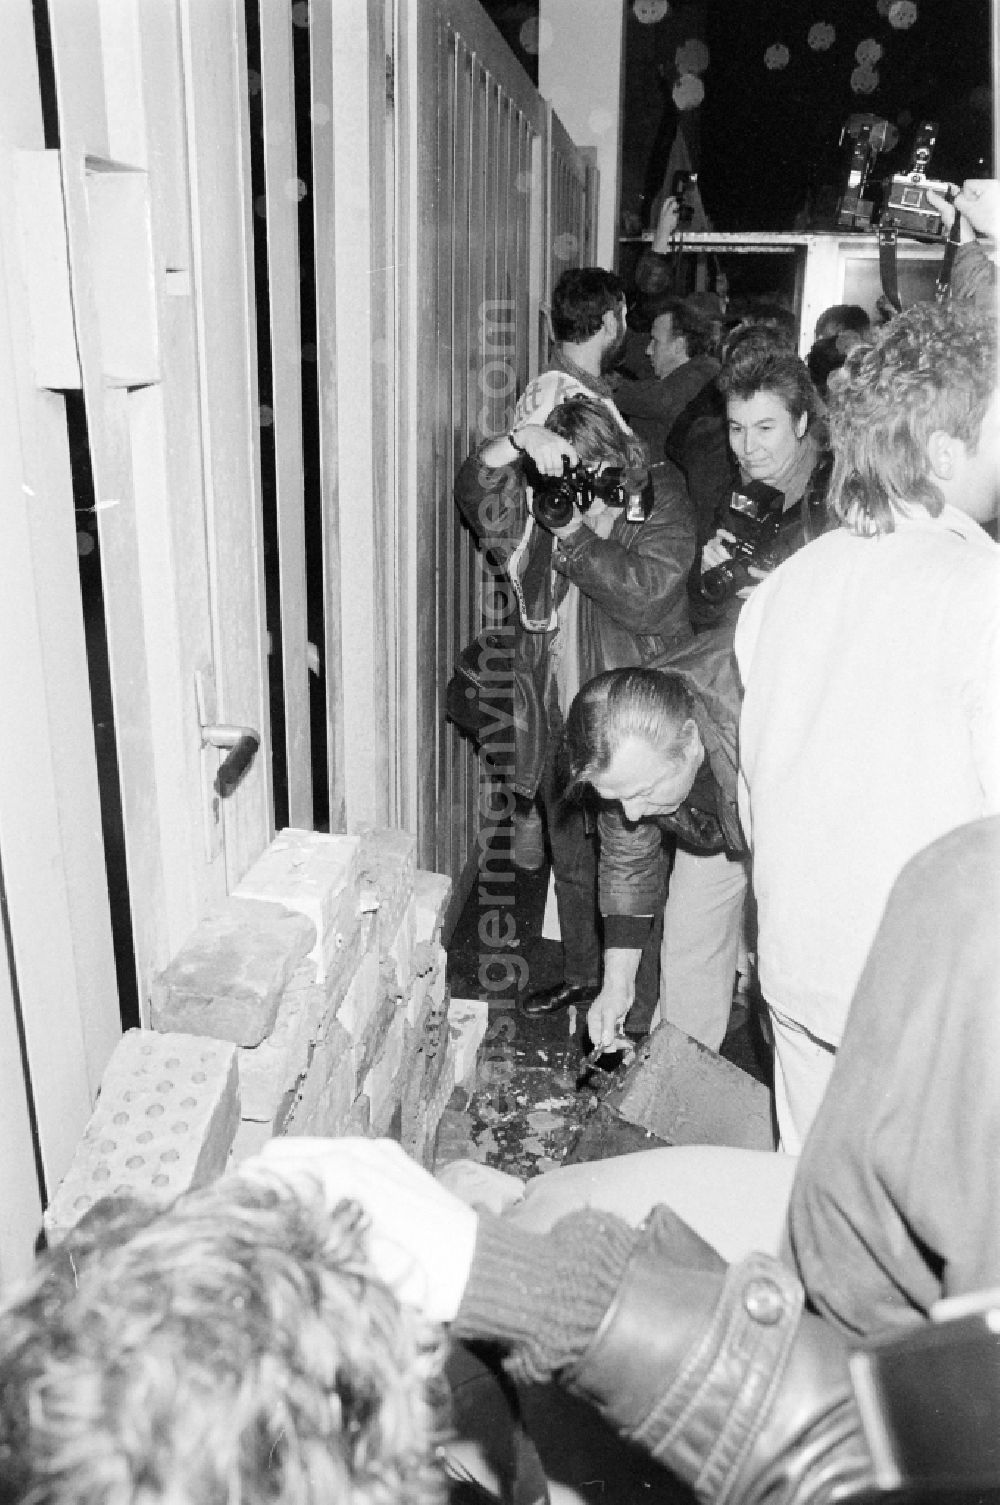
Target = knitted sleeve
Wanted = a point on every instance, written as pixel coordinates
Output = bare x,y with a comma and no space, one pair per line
543,1296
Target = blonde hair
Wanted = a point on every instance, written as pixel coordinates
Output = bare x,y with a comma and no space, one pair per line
238,1347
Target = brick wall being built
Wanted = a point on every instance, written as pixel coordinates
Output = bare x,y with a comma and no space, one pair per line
312,1001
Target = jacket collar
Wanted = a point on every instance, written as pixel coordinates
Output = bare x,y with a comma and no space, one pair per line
560,361
951,519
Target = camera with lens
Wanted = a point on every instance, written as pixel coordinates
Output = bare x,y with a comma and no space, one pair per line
754,518
906,207
862,137
556,498
682,189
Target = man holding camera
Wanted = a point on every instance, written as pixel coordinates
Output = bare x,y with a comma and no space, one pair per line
597,591
588,317
871,669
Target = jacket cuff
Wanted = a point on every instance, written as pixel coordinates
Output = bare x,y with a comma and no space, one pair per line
709,1416
687,1362
722,1378
543,1295
626,932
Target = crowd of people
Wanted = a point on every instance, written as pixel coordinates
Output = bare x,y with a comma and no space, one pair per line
654,913
765,657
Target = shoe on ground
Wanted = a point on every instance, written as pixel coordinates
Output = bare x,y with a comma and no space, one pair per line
562,996
528,843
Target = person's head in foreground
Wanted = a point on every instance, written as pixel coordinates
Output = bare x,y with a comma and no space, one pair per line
235,1350
915,420
631,736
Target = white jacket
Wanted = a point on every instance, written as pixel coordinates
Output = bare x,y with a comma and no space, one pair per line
870,726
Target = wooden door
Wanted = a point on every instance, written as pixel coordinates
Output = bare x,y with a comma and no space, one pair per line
128,411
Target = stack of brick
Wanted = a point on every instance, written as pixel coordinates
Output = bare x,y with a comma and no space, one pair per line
312,1001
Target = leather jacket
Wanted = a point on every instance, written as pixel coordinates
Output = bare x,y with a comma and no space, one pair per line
633,598
720,1375
807,519
630,876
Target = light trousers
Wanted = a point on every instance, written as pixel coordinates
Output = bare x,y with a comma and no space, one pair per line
802,1066
701,944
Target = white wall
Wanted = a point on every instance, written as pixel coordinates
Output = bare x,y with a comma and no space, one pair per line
580,46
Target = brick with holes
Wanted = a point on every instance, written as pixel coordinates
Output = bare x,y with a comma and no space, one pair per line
165,1121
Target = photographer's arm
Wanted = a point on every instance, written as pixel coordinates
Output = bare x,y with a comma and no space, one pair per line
635,585
490,486
543,448
977,201
654,273
973,276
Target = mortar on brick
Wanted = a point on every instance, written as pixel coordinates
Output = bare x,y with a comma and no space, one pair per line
345,963
312,874
359,1118
398,955
428,986
431,892
387,861
426,1049
468,1019
368,1045
382,1085
361,998
250,1140
227,979
165,1122
272,1069
421,1116
328,1089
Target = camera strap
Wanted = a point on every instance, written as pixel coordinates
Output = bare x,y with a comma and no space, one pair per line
529,623
887,265
888,236
942,286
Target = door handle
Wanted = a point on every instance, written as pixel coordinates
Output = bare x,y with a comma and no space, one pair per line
242,743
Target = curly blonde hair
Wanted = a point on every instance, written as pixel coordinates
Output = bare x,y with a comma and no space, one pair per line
237,1349
931,368
597,434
